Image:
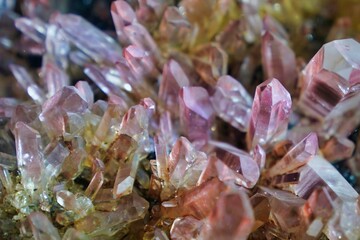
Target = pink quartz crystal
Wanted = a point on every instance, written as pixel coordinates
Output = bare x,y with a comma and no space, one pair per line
232,102
297,156
173,79
232,218
185,228
123,15
270,114
27,83
328,77
55,109
174,27
196,114
96,44
211,63
29,155
279,60
185,164
244,167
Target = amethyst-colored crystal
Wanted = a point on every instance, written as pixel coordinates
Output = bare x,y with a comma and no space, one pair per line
279,60
232,103
196,114
29,155
94,43
329,76
270,114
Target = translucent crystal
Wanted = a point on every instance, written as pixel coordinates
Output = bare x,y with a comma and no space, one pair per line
78,204
8,161
54,110
55,154
344,117
338,148
232,218
329,76
29,155
185,228
72,165
33,28
245,168
42,228
173,79
259,156
230,41
319,172
129,209
85,91
7,106
140,62
135,123
103,80
197,202
123,15
211,63
96,44
231,102
285,209
54,77
270,114
27,83
298,156
279,60
73,234
196,113
95,184
139,36
174,27
185,164
57,46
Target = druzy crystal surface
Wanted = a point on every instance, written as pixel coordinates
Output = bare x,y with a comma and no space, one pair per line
191,119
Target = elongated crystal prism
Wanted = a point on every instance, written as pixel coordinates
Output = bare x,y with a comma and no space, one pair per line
298,156
329,76
279,60
270,114
29,155
96,44
196,113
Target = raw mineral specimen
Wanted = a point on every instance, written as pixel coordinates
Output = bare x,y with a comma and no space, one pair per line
151,129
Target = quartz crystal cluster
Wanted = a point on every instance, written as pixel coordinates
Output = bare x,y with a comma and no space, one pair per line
195,119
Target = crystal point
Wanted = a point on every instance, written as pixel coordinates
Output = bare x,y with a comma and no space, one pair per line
196,113
298,156
29,155
232,103
96,44
279,60
329,76
270,114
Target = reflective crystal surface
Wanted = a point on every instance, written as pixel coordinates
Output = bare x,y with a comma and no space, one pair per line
329,76
270,114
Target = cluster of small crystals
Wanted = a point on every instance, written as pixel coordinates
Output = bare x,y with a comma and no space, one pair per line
178,148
